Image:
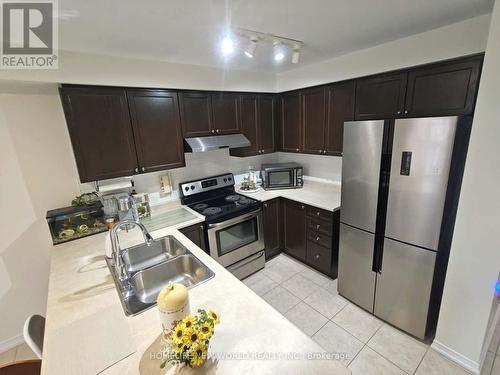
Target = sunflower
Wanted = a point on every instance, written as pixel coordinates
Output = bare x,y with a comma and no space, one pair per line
214,316
198,354
178,333
189,321
191,336
206,331
179,346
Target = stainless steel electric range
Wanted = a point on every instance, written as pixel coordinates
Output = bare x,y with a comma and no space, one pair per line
233,221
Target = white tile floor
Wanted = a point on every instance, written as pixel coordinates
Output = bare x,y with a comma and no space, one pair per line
310,300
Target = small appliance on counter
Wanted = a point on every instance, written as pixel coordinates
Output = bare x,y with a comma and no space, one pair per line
282,176
233,221
250,183
69,223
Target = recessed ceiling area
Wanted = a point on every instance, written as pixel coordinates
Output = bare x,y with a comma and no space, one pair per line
190,31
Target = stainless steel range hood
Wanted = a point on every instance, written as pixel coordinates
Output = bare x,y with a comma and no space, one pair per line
200,144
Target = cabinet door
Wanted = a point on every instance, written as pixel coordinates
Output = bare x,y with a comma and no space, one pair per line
196,114
225,107
248,121
196,233
313,119
100,130
290,122
157,129
266,124
272,225
340,108
443,89
294,215
380,97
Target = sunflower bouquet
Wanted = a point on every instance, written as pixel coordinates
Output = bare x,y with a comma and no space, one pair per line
187,343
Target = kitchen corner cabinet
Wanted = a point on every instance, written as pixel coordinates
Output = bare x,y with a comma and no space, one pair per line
196,233
340,108
100,130
291,129
294,229
272,227
381,96
157,129
257,124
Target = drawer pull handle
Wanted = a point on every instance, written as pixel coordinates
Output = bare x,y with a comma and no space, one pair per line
317,256
318,213
318,226
303,207
317,238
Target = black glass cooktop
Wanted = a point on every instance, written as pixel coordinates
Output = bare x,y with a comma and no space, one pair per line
224,207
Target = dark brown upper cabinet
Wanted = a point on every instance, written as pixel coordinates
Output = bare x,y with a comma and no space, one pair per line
340,108
272,227
291,132
313,109
225,113
157,129
294,229
443,89
249,125
196,114
257,124
100,131
266,125
380,97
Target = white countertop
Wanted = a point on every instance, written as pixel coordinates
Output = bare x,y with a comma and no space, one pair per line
318,193
80,285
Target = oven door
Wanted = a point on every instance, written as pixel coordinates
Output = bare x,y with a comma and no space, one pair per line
235,239
280,178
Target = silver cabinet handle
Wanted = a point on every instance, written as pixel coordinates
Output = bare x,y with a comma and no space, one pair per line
399,112
213,130
143,169
136,170
265,204
302,207
263,151
324,152
317,256
318,226
297,149
217,130
318,213
317,238
406,112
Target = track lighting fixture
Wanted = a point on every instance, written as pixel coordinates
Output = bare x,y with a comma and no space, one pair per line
296,54
252,46
227,46
279,51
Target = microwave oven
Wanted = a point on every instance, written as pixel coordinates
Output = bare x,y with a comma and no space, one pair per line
282,176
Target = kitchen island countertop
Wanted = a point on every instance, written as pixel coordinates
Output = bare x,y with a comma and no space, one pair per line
80,286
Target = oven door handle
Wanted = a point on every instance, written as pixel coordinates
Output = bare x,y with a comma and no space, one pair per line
236,220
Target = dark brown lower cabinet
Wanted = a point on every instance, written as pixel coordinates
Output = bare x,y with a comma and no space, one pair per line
272,227
196,233
294,229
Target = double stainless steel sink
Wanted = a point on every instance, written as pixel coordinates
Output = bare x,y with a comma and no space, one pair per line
153,266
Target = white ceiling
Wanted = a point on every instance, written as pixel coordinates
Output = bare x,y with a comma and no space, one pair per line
188,31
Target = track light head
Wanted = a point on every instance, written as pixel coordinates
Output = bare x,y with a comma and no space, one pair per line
252,46
279,51
296,54
227,46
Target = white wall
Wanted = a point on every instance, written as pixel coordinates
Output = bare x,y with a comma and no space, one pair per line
37,173
475,254
327,167
459,39
83,68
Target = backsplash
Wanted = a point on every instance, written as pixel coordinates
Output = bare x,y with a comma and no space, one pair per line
204,164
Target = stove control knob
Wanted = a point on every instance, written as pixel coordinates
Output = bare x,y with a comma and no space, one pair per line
192,187
229,178
225,179
186,188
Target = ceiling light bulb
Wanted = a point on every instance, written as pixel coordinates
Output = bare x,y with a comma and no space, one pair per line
295,55
227,46
279,51
252,46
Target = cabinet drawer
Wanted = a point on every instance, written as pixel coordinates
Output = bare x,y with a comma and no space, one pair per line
320,226
319,213
319,257
319,238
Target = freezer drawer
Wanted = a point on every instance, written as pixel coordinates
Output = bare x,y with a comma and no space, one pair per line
361,173
356,280
404,286
421,157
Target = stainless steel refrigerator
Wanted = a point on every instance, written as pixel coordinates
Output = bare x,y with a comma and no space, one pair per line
395,185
